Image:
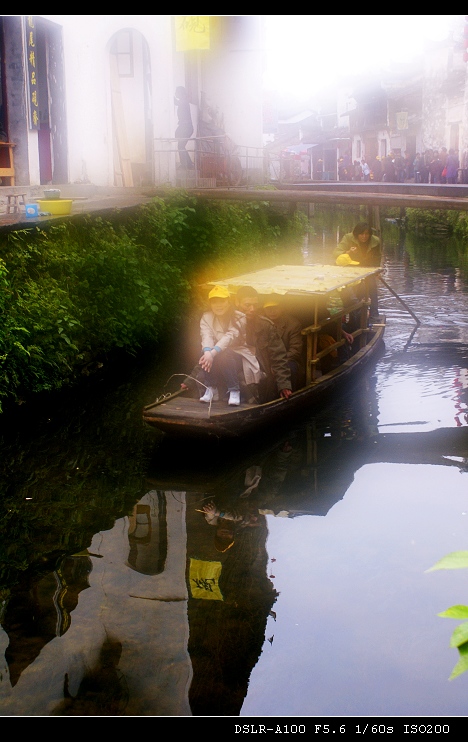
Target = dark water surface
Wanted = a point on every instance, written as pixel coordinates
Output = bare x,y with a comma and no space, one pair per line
119,598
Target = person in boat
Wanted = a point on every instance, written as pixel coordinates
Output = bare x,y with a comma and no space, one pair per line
349,296
362,245
262,335
290,331
363,248
229,513
225,355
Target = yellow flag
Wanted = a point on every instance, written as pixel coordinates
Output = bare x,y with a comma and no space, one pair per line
204,579
192,32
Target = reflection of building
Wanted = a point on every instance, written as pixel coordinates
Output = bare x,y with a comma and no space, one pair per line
35,616
152,636
139,642
460,384
128,634
147,535
226,634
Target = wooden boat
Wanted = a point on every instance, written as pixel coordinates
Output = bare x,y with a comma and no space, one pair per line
314,292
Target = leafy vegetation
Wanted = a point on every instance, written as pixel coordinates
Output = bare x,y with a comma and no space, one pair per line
459,639
64,477
432,220
74,292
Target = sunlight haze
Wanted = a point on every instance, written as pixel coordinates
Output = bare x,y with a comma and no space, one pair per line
305,53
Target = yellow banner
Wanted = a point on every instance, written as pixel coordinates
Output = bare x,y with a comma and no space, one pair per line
204,579
192,32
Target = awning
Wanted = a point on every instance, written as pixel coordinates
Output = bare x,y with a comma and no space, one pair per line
300,149
298,279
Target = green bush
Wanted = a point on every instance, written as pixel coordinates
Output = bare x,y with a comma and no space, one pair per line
461,227
77,290
459,639
430,221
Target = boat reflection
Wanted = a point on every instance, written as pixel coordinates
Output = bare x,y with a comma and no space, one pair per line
228,500
165,613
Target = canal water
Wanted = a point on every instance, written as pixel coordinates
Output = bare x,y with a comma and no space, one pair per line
120,598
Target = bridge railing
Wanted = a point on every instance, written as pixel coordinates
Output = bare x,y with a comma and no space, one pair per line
208,162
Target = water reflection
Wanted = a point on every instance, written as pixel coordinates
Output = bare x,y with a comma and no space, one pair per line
36,615
169,611
103,690
230,598
147,535
145,578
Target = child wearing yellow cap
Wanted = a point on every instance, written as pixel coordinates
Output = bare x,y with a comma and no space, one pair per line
224,349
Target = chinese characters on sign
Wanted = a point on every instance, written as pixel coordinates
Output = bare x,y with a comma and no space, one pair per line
32,72
204,579
192,32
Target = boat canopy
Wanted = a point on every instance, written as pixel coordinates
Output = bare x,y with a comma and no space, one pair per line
298,279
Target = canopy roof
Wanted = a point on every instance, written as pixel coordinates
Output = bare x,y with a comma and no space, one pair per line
298,279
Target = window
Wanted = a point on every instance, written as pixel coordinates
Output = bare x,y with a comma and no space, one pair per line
122,47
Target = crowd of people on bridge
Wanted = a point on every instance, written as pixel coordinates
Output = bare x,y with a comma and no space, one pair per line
430,166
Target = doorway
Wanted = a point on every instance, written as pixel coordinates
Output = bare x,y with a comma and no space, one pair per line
130,77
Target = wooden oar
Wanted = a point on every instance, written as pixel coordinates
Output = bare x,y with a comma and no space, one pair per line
418,322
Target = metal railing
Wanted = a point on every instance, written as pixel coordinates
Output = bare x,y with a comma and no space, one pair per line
216,162
208,162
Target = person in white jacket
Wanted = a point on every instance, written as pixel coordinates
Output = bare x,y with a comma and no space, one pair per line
225,353
365,169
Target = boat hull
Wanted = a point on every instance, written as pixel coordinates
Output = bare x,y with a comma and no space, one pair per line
187,418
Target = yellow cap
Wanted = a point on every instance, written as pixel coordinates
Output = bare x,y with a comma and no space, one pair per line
219,292
345,259
272,301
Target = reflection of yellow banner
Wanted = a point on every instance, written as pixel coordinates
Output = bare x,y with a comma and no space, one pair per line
402,120
192,32
204,579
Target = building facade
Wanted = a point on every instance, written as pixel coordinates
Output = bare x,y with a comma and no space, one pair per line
90,98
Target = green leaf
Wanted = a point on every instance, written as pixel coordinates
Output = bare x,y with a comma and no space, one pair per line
460,635
462,664
456,611
455,560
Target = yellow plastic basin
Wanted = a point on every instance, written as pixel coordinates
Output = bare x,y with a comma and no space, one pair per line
59,206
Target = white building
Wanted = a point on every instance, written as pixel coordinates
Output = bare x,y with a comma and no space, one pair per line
90,98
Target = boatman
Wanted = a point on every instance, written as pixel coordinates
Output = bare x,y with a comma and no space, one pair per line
362,248
270,351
